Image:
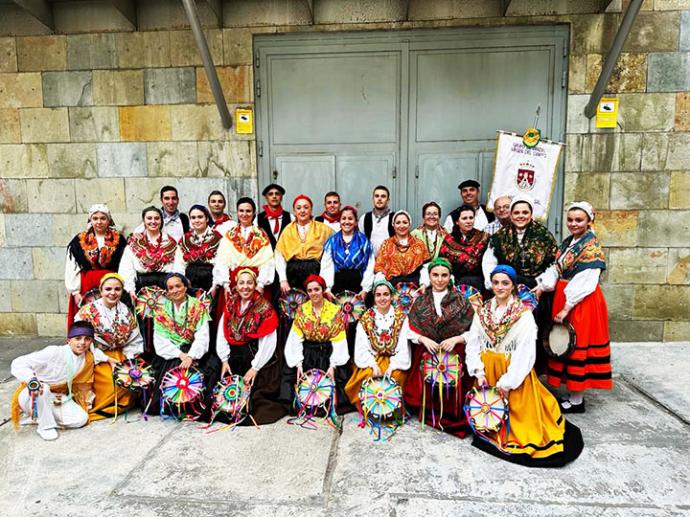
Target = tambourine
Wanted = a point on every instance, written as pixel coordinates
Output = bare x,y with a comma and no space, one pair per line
148,301
133,374
314,392
560,341
351,307
527,297
182,391
443,368
288,303
486,409
231,396
90,296
380,398
471,294
405,295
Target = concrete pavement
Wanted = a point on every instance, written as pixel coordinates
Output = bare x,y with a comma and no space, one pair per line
636,462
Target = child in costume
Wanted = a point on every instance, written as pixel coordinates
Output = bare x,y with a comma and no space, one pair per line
57,383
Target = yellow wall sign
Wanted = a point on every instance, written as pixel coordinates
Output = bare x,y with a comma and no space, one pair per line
607,112
244,121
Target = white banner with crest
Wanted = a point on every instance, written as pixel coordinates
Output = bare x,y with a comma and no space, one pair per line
519,169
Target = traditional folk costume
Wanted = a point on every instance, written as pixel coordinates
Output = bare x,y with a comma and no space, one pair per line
464,252
117,335
222,224
501,347
377,227
316,341
247,335
244,246
89,257
175,224
177,330
273,222
401,260
438,316
481,218
530,252
67,381
196,256
333,222
299,250
382,339
432,239
348,263
575,277
146,263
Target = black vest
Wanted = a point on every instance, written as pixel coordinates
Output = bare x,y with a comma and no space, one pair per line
262,222
369,224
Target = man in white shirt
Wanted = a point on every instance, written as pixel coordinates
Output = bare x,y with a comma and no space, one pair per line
57,383
377,225
273,219
331,214
175,223
470,191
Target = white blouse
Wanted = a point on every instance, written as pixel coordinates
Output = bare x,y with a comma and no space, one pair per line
223,263
130,265
294,351
579,287
328,269
73,270
365,357
266,348
519,344
52,365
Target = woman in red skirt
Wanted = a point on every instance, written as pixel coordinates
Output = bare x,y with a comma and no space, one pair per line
90,255
580,301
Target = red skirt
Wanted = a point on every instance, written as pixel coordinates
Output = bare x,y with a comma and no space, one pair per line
452,418
589,365
89,280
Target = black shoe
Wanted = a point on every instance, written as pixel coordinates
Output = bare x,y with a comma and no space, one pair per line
569,407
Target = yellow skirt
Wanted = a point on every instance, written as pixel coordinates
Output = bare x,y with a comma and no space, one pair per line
537,427
359,375
104,389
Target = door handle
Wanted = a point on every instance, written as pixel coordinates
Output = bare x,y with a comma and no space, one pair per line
275,175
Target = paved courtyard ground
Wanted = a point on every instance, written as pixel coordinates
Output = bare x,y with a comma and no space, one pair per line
636,462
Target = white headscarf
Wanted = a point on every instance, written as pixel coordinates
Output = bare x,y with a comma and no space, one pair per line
584,206
102,208
522,198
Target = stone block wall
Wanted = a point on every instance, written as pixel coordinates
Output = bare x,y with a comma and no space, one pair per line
112,116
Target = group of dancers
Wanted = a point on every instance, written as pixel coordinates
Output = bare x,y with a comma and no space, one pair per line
221,278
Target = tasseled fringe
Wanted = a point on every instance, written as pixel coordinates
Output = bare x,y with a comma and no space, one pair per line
15,409
507,347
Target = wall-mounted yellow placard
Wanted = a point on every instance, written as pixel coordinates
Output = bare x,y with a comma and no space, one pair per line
607,112
244,121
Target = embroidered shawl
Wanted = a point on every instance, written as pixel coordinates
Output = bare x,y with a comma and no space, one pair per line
584,254
291,246
86,253
154,256
433,247
457,314
179,326
109,335
383,342
529,258
199,249
329,326
352,255
259,319
467,254
394,259
497,327
254,251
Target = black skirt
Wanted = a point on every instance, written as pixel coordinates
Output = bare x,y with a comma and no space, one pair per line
208,365
347,280
543,318
263,402
409,278
298,270
316,355
146,324
200,275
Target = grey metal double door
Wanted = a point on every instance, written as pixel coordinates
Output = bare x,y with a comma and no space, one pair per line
416,111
